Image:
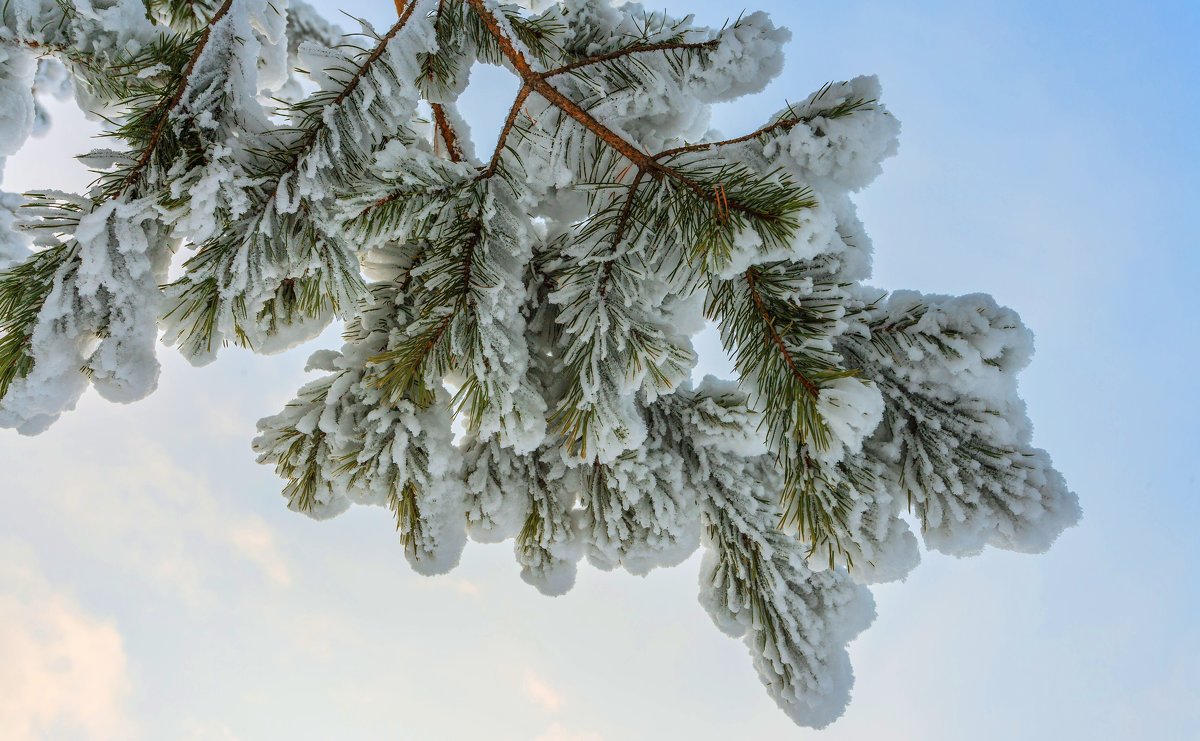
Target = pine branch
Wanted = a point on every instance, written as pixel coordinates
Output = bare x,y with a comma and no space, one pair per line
161,113
782,124
537,82
198,305
446,131
509,123
778,344
768,323
311,110
963,462
618,54
795,623
23,291
27,287
413,367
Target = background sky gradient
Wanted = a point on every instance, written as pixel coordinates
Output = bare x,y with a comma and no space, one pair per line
153,585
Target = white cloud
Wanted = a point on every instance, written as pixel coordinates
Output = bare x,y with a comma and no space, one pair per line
64,671
541,693
149,515
254,540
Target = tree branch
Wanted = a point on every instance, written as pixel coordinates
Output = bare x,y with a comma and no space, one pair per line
535,81
768,320
617,54
164,119
447,132
841,110
619,231
509,123
783,123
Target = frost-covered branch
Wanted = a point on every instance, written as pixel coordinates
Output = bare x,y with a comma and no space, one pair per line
545,293
955,438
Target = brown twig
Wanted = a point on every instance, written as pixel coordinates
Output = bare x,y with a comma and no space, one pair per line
163,120
447,132
783,123
641,49
760,306
538,84
509,123
619,231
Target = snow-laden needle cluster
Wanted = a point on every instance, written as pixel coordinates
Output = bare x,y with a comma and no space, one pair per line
271,175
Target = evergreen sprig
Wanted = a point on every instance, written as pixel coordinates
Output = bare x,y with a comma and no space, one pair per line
153,146
460,260
23,291
775,323
954,456
329,280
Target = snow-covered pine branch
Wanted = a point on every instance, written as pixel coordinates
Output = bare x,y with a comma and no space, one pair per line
544,294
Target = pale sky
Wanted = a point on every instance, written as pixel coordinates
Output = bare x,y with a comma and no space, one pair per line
153,585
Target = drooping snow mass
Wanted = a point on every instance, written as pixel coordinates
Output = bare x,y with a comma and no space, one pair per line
957,437
355,449
544,294
13,246
97,322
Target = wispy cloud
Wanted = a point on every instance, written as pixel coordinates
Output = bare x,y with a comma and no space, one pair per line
254,540
541,693
63,670
141,511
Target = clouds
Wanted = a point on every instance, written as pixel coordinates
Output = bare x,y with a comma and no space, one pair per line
129,504
541,693
64,671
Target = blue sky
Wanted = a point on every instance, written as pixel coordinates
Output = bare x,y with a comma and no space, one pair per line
1048,157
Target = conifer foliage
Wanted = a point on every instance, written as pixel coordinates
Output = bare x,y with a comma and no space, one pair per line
269,175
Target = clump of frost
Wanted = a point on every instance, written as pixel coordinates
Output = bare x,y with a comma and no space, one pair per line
957,438
639,511
17,68
816,234
498,485
831,146
549,545
748,56
98,324
851,409
13,244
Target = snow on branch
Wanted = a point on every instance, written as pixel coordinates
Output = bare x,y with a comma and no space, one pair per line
542,295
